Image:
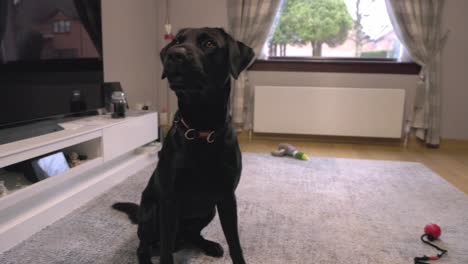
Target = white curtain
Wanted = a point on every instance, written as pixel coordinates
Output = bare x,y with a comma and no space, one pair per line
417,24
250,22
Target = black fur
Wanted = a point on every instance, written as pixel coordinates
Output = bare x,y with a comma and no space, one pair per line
194,178
130,209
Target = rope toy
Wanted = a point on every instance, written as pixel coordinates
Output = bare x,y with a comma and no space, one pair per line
288,150
431,232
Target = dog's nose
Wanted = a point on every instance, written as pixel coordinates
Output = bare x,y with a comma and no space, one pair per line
178,55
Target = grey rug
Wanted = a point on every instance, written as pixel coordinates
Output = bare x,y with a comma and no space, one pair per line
324,210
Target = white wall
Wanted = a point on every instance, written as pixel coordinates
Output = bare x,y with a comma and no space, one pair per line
131,49
187,13
455,71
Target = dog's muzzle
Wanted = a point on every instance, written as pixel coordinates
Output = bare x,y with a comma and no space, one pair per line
179,55
181,68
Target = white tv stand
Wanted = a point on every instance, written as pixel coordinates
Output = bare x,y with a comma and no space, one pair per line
114,150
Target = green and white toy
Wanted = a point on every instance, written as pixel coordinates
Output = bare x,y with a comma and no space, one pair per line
288,150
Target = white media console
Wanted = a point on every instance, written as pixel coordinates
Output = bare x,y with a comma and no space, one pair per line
116,148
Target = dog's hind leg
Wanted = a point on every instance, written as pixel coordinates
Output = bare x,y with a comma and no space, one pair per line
210,248
130,209
192,230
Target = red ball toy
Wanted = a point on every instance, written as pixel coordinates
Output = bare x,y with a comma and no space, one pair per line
433,231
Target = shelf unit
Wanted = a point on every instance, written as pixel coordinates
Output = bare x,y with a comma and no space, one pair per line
110,145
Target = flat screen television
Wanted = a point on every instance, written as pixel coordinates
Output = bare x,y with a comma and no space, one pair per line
50,59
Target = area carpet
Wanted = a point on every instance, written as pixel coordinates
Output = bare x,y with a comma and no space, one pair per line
324,210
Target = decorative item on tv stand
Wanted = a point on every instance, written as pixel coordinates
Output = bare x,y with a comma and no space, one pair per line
114,98
3,189
119,104
143,106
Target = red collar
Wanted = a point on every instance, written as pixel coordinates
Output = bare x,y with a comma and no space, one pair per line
191,133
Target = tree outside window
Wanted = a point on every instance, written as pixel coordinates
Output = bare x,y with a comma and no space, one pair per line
334,28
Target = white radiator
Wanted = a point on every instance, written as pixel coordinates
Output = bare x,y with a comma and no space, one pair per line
356,112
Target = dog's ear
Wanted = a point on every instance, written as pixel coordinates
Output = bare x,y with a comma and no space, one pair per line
162,55
240,55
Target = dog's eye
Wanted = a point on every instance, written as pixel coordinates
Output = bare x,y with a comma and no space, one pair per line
176,41
209,44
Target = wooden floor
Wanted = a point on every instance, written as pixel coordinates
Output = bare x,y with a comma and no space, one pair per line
449,161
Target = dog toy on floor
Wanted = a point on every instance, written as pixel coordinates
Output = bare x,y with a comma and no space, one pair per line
432,232
288,150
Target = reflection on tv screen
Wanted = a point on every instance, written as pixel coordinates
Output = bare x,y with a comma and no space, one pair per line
45,30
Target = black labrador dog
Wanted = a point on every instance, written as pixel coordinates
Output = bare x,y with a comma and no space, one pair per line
200,162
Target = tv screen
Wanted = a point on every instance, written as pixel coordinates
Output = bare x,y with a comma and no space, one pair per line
50,59
45,30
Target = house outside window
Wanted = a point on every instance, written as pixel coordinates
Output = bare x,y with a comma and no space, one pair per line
333,29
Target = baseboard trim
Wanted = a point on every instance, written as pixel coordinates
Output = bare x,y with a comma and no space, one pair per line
326,139
79,190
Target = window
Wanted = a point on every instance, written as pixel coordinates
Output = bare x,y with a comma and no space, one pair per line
333,29
67,26
56,27
61,26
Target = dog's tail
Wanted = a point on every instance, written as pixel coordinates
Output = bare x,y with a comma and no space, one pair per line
130,209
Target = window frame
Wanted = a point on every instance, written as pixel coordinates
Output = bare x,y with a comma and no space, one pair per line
336,65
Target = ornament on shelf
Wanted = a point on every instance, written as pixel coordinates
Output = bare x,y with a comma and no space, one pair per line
168,26
168,35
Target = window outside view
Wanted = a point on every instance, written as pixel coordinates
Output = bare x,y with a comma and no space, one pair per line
334,29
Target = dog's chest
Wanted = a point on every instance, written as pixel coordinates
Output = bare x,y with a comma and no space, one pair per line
203,179
198,167
197,204
198,193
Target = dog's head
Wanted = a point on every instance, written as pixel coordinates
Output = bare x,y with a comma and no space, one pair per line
202,59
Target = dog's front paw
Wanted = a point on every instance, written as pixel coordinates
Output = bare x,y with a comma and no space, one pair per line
143,254
212,249
145,261
238,258
168,260
239,261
